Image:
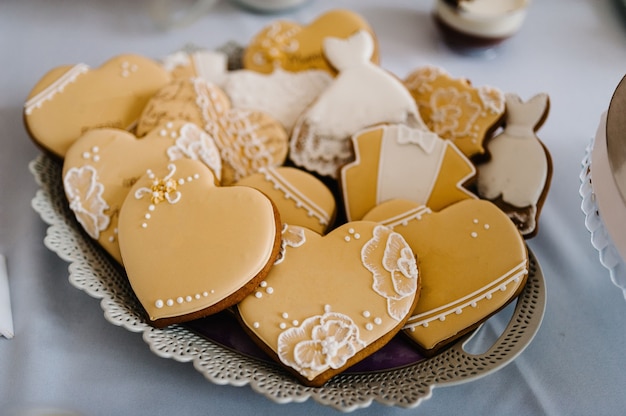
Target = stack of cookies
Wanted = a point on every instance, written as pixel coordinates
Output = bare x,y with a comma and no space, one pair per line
326,202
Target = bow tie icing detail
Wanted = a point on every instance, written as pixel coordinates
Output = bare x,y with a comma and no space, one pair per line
423,138
161,189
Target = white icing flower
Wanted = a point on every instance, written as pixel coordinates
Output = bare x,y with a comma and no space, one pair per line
453,112
420,79
292,236
395,277
492,99
320,343
194,143
84,193
240,143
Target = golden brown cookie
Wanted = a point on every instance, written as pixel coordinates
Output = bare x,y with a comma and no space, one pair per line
456,110
248,140
69,100
472,261
301,198
331,301
190,248
102,165
293,47
396,161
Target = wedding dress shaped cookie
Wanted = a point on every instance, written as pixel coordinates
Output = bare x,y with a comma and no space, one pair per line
363,94
518,173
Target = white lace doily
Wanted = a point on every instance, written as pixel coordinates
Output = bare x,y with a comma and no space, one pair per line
600,238
95,273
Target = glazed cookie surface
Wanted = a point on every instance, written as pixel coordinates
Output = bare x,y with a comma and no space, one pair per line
518,173
472,261
362,95
300,198
293,47
102,165
248,140
69,100
284,95
191,248
456,110
331,301
396,161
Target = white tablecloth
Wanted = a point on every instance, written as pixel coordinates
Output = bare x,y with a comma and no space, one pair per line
65,355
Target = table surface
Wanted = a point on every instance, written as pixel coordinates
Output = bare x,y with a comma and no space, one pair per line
65,355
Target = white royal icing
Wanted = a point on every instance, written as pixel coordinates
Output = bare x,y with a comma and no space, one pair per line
320,343
292,236
194,143
284,95
409,163
161,190
233,131
291,192
48,93
518,168
457,306
395,278
84,193
362,94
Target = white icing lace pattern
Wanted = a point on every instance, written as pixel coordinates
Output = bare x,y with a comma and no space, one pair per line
448,105
484,293
404,218
492,99
275,43
93,272
55,88
445,118
420,80
395,278
84,193
292,236
291,192
194,143
320,343
236,136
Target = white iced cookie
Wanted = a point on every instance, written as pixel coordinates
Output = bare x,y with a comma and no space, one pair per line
281,94
517,175
363,94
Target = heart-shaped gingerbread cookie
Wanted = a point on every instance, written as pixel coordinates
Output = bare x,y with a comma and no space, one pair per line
100,168
293,47
472,259
330,301
248,140
301,198
191,248
70,100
